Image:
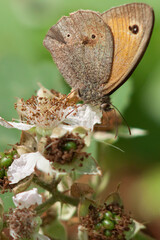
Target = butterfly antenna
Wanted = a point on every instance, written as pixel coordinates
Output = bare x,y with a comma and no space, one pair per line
113,146
116,135
122,117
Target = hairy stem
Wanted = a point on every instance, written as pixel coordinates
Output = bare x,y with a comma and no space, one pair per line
56,196
50,187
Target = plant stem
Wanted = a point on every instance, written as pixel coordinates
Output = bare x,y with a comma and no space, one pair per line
56,196
50,187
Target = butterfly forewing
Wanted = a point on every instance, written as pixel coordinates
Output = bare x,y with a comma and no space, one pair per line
82,47
131,26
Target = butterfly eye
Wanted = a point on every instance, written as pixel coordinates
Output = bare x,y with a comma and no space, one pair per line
93,36
68,35
134,29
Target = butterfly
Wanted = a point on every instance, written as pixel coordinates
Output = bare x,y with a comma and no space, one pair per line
96,53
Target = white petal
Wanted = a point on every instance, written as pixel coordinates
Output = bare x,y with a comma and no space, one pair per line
59,131
4,123
44,92
138,227
102,136
20,126
43,164
25,165
85,116
27,199
62,129
136,132
22,167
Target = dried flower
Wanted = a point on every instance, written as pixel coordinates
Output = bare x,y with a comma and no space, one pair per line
63,150
49,110
23,222
106,222
44,112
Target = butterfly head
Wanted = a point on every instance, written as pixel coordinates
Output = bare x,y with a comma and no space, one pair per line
94,97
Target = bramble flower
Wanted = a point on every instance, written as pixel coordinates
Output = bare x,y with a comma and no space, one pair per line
26,164
49,109
108,221
62,130
67,154
22,220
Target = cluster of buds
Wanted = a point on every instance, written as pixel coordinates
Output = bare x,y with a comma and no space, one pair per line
107,222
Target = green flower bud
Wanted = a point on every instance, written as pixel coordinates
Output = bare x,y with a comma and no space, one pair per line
117,218
13,153
98,226
107,233
108,215
2,173
6,161
108,224
69,145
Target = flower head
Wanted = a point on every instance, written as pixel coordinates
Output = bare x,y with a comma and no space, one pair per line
49,109
44,112
106,222
23,222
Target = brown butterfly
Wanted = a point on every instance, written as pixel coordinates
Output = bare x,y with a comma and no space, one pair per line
96,53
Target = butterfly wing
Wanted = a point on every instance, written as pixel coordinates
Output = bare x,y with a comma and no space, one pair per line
131,26
82,47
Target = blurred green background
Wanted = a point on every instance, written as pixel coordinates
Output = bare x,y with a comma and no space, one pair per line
24,62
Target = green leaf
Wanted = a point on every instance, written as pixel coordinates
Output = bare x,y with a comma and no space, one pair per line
135,227
87,166
55,230
7,199
83,211
114,198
